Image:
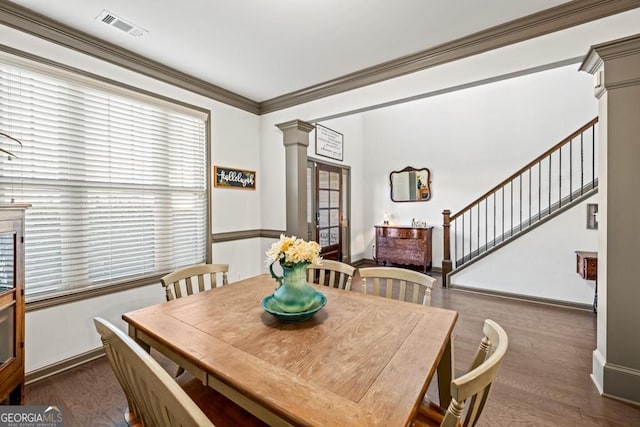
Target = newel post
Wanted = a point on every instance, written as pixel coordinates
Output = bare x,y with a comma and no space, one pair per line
446,253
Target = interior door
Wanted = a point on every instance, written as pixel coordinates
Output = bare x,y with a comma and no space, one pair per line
329,207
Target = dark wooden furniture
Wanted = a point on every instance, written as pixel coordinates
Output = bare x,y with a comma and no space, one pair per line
404,245
318,372
587,268
12,303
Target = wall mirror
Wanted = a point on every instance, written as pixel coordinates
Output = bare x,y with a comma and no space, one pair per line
410,185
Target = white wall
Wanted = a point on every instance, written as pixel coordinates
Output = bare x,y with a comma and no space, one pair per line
234,143
65,331
470,140
245,257
541,263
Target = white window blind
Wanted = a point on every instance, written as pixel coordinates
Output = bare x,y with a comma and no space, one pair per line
117,183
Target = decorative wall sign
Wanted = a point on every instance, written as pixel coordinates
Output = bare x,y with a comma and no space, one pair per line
329,143
234,178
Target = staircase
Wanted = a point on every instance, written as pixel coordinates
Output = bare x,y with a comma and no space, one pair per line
558,179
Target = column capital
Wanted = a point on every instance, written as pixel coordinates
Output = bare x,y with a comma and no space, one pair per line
296,125
296,132
621,58
598,53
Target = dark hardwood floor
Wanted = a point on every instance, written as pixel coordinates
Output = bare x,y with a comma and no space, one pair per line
544,380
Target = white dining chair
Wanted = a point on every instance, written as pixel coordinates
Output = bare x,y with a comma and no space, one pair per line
469,392
397,283
334,274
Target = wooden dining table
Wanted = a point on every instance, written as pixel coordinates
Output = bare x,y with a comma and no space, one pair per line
362,360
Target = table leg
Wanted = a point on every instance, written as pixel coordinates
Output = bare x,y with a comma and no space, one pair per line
595,299
445,374
133,333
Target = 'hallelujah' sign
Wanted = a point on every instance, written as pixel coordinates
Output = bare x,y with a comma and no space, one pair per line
234,178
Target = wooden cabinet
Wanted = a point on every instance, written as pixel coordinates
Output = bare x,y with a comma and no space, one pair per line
587,265
587,268
12,303
404,245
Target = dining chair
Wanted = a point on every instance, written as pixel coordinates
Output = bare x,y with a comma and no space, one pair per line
154,398
181,282
334,274
385,279
472,387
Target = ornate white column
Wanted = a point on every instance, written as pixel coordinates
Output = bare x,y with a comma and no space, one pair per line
616,360
296,141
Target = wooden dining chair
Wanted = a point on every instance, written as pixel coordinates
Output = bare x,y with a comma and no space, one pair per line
385,279
334,274
472,387
181,281
154,398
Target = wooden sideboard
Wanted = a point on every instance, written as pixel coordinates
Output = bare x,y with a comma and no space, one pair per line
404,245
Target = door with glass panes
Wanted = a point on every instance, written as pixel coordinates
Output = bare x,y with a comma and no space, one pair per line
329,210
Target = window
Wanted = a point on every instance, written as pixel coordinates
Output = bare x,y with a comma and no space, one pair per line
116,179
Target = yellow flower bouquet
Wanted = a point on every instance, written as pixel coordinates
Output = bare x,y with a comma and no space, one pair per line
290,251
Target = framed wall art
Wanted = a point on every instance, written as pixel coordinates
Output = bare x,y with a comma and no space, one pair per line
224,177
329,143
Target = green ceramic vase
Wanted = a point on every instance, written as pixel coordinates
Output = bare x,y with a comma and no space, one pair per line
294,294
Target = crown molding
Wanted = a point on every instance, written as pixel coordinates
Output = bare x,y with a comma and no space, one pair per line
28,21
569,14
561,17
627,46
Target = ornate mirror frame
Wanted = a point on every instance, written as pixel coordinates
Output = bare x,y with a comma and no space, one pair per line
410,185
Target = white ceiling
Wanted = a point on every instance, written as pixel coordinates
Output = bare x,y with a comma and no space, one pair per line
265,48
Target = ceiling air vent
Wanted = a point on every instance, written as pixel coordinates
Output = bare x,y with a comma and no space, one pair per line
119,23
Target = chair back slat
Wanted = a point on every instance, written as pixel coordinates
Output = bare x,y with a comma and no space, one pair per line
388,288
476,405
212,280
398,281
345,281
189,286
332,277
426,299
402,294
415,291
